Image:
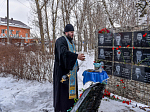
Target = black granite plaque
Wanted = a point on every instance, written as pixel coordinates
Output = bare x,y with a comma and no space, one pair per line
147,39
147,75
105,39
126,39
122,70
108,67
126,71
140,40
123,55
146,57
141,56
138,73
105,53
123,39
117,69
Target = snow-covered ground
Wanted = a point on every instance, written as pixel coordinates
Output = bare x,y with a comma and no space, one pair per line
17,95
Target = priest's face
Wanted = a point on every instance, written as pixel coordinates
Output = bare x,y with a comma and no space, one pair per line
70,34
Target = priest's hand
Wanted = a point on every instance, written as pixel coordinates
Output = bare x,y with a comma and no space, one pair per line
81,57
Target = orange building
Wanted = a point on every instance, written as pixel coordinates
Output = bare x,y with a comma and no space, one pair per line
18,31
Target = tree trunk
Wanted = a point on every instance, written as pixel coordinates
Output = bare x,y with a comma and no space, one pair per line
54,16
110,20
47,28
40,25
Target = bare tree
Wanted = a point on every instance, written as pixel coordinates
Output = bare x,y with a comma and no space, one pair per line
40,21
80,16
67,6
47,26
54,8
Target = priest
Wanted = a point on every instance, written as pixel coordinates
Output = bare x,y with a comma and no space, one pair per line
65,64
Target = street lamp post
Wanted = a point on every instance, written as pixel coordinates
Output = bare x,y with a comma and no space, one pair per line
7,21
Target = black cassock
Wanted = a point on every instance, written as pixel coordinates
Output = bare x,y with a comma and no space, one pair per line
64,62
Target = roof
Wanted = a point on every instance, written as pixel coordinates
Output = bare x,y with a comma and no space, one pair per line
13,23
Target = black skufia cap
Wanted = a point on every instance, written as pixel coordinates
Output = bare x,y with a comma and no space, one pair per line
68,28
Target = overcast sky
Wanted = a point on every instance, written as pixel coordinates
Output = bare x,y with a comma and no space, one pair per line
18,10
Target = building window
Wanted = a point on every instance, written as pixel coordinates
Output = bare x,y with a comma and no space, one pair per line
3,31
26,34
26,40
10,32
17,33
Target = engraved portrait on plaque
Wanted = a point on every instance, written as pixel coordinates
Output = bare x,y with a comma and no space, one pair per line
101,39
137,56
139,40
138,73
117,38
118,55
101,54
117,69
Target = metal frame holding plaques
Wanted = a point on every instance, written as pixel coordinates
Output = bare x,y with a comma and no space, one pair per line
124,54
130,60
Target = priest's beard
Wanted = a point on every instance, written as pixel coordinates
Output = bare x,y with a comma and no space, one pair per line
69,38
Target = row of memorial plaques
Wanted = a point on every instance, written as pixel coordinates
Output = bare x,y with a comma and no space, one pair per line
124,39
140,56
139,73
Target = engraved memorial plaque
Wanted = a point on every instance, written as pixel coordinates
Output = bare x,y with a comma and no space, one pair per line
108,67
138,73
146,57
123,55
123,39
105,39
126,39
117,69
122,70
141,56
142,40
147,75
126,71
105,53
